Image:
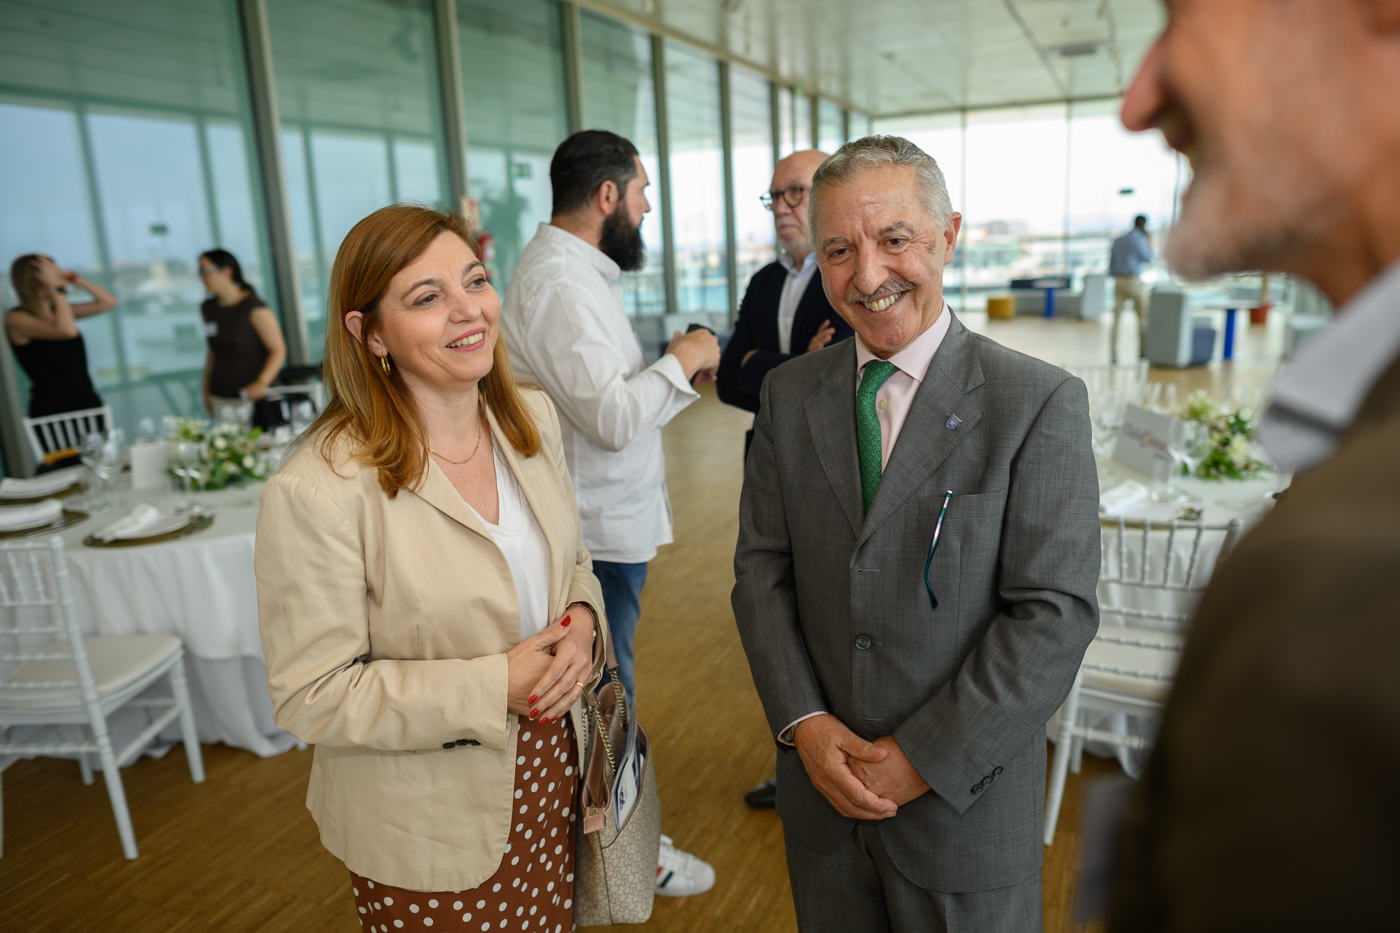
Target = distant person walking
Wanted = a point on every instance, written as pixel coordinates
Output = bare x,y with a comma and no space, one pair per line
1130,251
43,331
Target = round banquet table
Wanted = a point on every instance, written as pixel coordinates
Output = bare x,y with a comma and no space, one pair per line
1219,502
199,587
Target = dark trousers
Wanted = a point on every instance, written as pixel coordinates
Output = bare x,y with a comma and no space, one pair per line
622,591
858,889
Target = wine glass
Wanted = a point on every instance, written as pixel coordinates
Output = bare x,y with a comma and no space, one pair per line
113,447
1186,447
92,455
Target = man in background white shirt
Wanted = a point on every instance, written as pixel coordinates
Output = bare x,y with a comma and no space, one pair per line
566,328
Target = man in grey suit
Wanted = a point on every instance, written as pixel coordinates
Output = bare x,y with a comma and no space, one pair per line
915,575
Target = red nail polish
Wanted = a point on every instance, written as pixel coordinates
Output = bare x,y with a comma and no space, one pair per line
532,699
534,713
565,622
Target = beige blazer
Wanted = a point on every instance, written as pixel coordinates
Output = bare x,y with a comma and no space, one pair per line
385,625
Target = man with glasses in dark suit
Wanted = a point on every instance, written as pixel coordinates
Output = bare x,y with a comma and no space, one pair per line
784,314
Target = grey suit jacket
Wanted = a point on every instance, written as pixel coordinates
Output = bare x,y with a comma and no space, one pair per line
834,614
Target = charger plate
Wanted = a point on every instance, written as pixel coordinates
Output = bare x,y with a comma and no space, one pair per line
196,525
69,517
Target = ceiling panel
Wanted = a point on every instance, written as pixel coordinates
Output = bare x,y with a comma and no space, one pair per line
899,56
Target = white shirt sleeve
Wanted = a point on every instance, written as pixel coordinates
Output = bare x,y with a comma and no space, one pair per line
586,374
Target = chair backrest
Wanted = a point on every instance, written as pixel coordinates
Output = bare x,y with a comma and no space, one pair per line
1144,590
316,391
65,430
37,614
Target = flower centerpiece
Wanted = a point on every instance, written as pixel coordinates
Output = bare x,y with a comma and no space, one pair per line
1227,451
227,454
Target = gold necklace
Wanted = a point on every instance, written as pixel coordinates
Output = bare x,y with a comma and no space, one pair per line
479,430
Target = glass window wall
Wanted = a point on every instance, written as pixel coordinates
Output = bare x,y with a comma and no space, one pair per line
751,123
620,95
787,132
830,121
358,95
128,154
802,121
517,113
1044,191
697,162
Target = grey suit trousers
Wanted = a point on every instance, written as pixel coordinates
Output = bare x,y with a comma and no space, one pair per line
857,889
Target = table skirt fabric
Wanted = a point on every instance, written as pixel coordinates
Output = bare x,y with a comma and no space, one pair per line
202,589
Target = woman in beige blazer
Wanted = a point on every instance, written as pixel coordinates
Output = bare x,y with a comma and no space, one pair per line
428,613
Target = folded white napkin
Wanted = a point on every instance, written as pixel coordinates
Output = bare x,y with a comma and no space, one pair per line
131,524
47,484
18,517
1119,499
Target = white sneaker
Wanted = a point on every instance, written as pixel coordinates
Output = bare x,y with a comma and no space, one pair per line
680,874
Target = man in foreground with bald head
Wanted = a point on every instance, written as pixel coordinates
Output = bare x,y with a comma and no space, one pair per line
1269,802
915,575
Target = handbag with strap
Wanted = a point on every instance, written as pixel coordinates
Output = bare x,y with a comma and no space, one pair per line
615,875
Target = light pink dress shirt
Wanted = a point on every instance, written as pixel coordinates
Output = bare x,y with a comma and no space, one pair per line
896,396
892,404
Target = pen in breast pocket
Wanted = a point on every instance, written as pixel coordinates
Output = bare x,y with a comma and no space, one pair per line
933,546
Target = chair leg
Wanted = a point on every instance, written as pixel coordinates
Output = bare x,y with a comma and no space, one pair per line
112,775
2,813
1055,793
1076,760
180,690
85,767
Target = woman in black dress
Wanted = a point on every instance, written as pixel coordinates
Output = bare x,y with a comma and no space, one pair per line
246,349
43,331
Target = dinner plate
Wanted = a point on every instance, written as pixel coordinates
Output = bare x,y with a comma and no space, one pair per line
57,523
39,522
192,525
161,526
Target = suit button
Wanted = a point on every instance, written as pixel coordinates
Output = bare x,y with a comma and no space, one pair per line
473,742
862,642
464,741
449,745
987,781
996,772
977,788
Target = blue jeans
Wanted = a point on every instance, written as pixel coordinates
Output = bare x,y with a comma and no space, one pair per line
622,590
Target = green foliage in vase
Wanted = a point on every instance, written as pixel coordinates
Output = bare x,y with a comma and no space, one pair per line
1229,443
228,454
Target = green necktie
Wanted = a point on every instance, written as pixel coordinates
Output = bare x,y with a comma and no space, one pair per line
877,372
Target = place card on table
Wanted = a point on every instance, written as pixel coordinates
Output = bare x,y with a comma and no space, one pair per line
1144,440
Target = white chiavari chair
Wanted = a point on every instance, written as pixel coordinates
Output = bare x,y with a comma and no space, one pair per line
60,680
67,431
1144,612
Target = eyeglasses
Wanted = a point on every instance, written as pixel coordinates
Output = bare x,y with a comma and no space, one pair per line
792,196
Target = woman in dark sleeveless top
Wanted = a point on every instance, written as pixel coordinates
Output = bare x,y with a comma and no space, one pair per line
43,331
246,349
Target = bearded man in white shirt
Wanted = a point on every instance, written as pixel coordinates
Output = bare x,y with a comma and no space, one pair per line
566,328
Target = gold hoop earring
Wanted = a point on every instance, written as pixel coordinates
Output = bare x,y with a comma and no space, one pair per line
384,363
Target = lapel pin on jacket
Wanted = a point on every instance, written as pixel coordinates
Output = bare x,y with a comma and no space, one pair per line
953,421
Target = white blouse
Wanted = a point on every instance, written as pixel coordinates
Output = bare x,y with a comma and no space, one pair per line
520,538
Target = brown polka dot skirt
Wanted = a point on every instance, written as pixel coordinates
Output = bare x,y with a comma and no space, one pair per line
533,888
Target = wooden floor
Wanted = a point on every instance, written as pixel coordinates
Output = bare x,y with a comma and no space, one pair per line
240,852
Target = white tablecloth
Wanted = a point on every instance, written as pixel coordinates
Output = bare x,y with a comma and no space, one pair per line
1220,501
200,588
